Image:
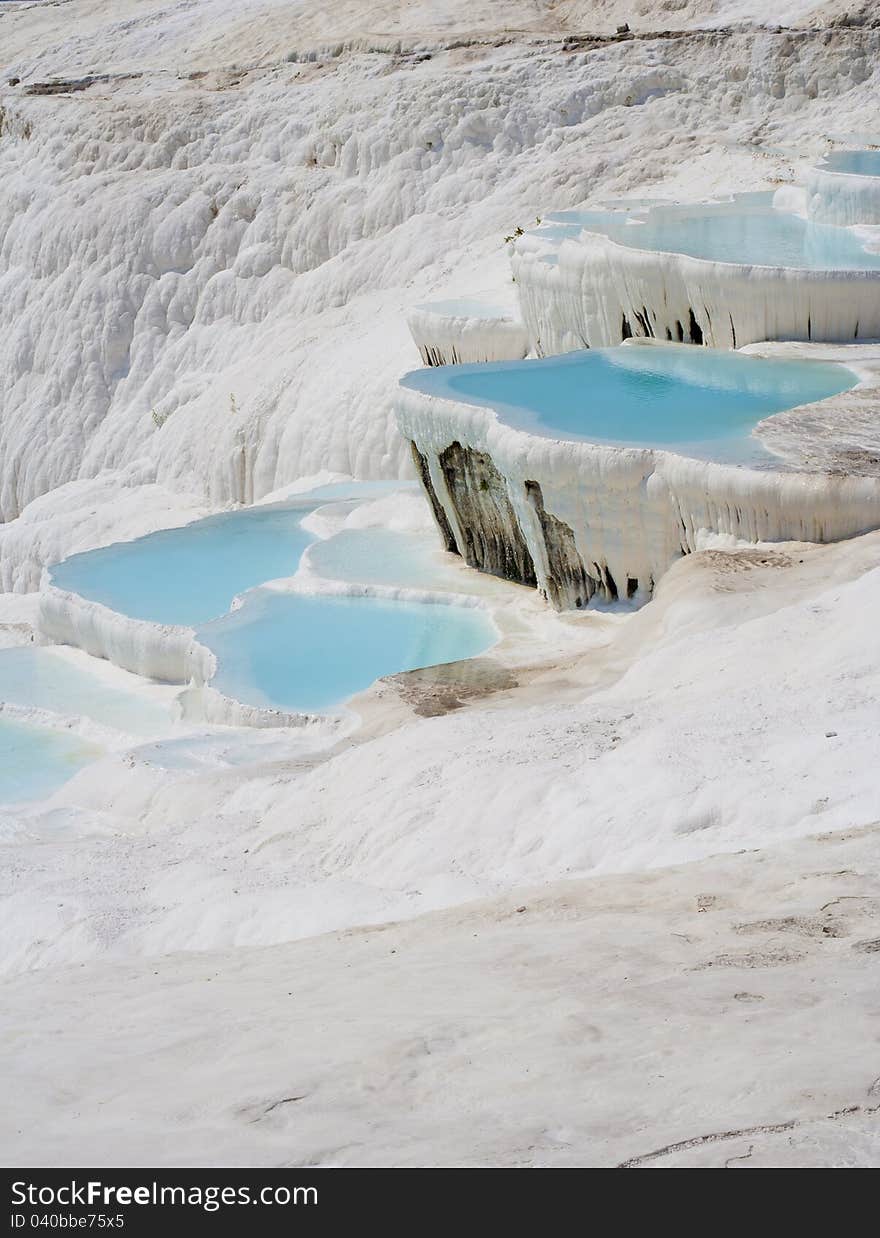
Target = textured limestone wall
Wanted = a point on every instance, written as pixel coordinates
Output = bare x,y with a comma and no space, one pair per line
164,652
580,520
491,537
437,509
842,198
453,338
567,582
599,293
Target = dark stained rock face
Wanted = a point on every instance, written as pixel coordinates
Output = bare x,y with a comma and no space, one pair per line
421,463
568,582
493,540
477,520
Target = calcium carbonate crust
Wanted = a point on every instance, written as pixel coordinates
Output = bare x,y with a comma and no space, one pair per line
453,339
842,198
631,511
204,267
598,293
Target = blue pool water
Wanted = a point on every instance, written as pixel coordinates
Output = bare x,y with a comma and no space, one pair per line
43,678
309,653
377,556
747,230
36,761
698,401
189,575
854,162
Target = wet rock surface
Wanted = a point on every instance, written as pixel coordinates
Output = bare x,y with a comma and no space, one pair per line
436,690
421,463
568,582
493,540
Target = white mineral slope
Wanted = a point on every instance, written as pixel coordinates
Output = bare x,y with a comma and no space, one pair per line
158,35
716,1014
737,710
211,272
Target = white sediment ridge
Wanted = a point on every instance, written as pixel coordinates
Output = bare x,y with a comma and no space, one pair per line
164,652
842,198
449,334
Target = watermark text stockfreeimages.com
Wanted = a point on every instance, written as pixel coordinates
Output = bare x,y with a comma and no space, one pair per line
97,1194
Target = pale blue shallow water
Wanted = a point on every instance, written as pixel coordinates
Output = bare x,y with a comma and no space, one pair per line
307,653
36,761
697,401
42,679
746,231
377,556
465,307
189,575
854,162
294,652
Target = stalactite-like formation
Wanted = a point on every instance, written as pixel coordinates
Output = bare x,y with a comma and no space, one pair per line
568,584
579,519
598,294
493,539
436,506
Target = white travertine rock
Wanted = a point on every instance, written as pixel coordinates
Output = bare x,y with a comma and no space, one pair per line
595,291
206,267
633,511
842,198
449,334
359,156
165,652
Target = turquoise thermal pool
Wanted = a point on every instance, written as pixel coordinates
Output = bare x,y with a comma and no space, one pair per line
290,651
852,162
377,556
308,653
696,401
35,761
189,575
747,231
